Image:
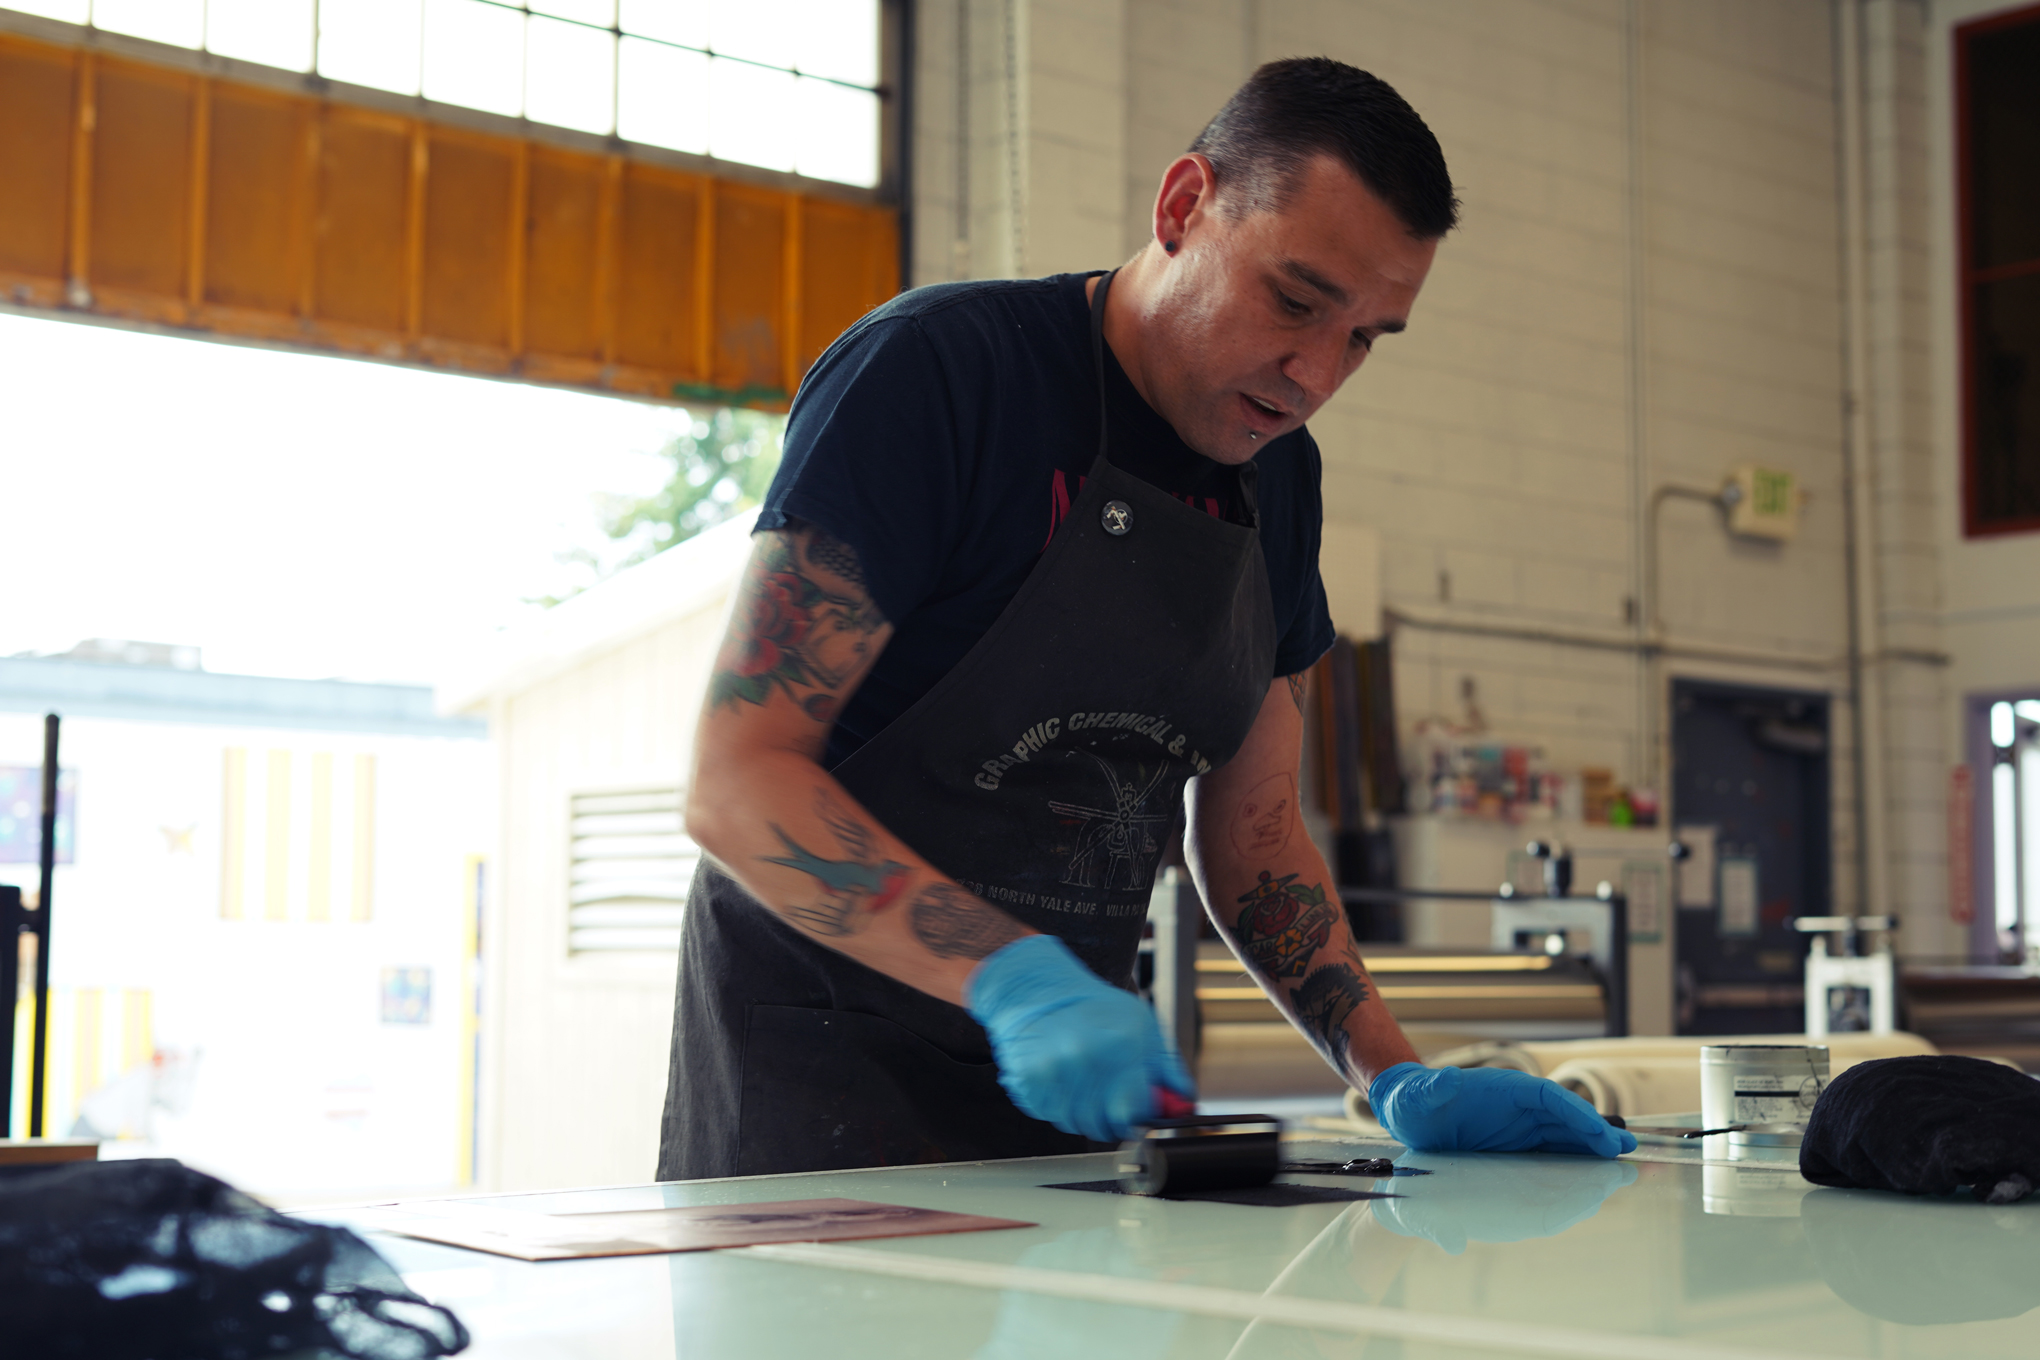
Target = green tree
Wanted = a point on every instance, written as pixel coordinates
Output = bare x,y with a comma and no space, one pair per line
720,468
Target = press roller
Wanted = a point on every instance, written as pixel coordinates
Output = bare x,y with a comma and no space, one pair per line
1202,1152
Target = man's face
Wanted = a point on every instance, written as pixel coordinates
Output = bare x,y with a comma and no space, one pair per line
1255,322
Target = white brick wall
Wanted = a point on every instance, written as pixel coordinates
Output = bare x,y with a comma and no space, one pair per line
1989,609
1496,446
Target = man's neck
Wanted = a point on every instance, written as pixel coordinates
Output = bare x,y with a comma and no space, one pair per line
1125,306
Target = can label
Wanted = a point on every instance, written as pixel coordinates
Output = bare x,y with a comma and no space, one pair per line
1785,1099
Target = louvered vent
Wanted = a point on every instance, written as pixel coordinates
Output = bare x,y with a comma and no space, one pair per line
631,867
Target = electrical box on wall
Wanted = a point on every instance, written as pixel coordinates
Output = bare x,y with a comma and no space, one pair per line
1762,502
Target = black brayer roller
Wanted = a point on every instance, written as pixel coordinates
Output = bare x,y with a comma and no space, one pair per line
1181,1153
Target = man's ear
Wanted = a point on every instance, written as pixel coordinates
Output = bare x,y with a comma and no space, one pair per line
1189,189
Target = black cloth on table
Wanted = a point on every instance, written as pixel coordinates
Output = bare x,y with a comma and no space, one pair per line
1927,1125
149,1260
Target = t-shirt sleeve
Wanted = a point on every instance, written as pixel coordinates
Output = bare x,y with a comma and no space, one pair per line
1308,633
871,455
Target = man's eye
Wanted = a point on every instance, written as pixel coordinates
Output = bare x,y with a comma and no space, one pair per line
1292,306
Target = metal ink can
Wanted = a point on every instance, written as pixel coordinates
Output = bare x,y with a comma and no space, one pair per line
1763,1093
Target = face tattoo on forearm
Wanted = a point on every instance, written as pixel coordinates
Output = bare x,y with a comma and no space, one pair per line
1261,823
853,889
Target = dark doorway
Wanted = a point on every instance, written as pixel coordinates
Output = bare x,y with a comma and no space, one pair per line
1753,765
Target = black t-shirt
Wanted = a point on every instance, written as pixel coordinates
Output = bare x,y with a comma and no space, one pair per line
944,435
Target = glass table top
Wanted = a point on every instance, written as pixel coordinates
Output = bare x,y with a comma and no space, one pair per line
1678,1252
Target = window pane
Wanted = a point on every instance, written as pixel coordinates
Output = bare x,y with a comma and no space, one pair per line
474,55
601,12
167,21
674,21
753,31
2006,355
2004,145
70,11
663,96
751,114
273,32
838,133
370,42
570,76
835,38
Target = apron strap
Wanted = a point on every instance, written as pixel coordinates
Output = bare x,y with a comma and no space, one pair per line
1098,349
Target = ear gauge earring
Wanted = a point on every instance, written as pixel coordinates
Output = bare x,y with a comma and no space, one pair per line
1169,246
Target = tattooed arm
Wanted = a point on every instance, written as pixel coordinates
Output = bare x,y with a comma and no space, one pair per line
803,636
1276,902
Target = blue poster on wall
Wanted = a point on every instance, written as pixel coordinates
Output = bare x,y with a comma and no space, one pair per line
407,996
21,815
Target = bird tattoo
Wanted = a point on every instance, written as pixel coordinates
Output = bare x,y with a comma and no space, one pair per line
853,889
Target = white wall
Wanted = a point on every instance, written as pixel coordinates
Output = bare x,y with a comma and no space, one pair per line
282,1075
1991,604
1648,288
575,1051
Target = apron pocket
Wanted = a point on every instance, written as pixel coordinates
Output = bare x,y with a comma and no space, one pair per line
829,1090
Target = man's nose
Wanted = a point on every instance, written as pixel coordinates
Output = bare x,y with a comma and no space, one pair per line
1319,367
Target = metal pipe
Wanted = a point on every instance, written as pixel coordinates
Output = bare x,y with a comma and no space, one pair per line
959,245
1611,642
1636,355
1653,626
906,20
1848,111
1016,157
1412,895
38,1061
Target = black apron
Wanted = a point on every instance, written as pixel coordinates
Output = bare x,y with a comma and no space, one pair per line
1045,774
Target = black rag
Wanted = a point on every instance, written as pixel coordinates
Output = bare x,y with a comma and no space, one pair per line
150,1260
1927,1125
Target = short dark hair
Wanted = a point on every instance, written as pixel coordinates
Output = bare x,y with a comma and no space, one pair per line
1293,110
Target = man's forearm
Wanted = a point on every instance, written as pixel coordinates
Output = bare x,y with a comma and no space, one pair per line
785,830
803,633
1280,912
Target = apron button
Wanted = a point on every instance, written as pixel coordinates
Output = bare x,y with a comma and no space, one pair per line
1117,518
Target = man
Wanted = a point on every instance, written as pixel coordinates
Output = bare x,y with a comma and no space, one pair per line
1041,553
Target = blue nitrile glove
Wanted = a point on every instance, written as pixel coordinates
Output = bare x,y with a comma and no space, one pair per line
1489,1109
1072,1049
